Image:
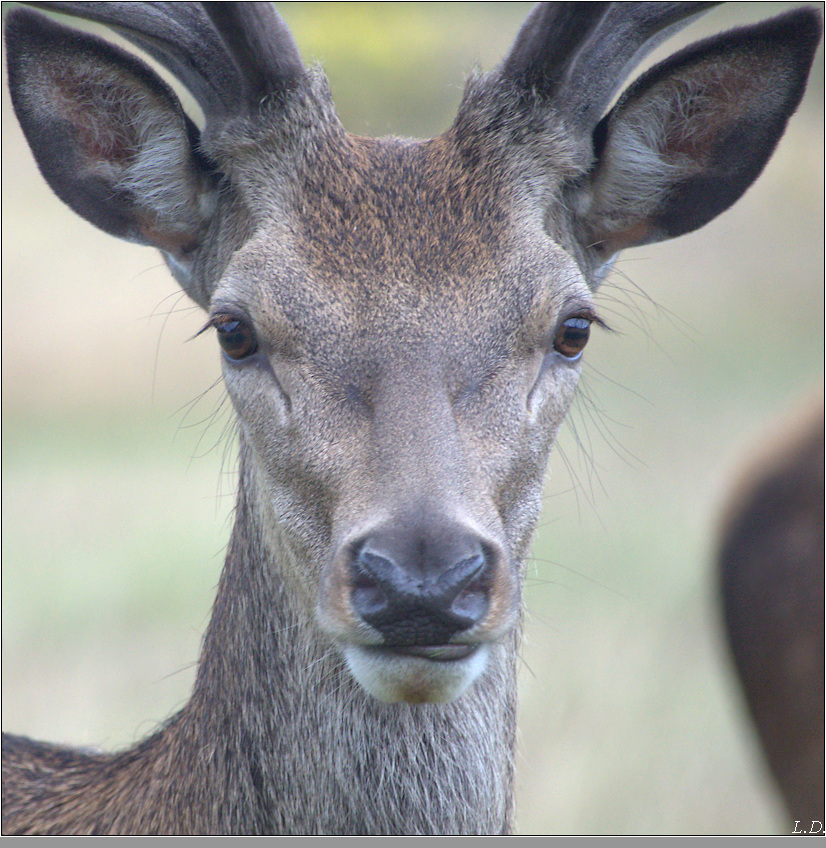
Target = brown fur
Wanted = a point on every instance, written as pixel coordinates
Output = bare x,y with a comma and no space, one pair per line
771,571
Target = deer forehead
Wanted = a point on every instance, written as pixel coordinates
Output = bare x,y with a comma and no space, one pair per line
411,243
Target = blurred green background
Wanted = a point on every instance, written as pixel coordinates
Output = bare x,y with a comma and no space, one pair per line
118,459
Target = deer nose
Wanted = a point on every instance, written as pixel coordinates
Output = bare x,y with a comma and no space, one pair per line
421,588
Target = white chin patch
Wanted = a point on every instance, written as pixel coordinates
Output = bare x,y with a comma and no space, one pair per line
414,680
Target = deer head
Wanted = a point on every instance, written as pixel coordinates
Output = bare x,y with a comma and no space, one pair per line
402,322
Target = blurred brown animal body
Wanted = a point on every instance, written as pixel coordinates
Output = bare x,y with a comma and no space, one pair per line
772,577
402,325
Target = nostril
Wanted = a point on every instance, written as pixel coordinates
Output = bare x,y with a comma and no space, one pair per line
464,588
471,603
367,596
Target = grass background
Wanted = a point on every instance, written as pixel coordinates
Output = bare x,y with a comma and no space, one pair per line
118,473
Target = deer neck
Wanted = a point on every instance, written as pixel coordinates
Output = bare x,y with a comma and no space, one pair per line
290,741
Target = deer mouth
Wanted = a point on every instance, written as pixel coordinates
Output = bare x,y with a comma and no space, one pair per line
434,653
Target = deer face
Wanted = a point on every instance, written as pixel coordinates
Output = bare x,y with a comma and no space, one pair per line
402,322
400,406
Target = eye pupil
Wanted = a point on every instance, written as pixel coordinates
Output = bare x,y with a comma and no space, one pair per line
236,338
572,336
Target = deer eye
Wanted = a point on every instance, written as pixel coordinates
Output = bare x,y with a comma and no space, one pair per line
235,336
572,336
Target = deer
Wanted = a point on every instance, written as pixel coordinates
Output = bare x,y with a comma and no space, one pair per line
770,570
401,326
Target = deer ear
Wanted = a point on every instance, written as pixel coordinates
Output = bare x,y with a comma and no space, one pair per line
689,137
108,135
